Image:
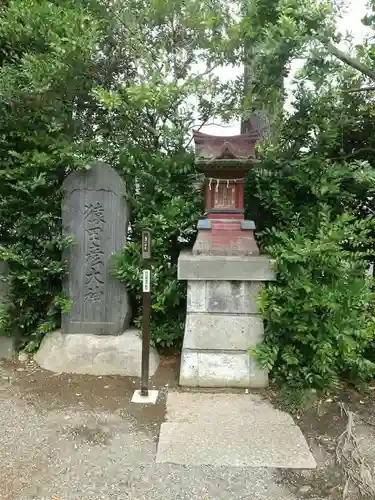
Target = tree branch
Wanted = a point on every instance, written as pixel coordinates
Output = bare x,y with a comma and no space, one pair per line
350,61
143,125
353,153
371,88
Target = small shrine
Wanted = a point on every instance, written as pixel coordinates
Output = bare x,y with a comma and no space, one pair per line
224,162
225,272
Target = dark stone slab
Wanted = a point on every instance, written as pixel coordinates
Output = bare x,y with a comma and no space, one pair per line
96,215
3,282
7,347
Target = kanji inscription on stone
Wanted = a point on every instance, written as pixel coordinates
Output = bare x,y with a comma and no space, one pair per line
95,215
94,258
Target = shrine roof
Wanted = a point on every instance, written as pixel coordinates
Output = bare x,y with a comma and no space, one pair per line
235,147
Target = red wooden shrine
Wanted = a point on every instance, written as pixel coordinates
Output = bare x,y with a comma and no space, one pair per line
224,162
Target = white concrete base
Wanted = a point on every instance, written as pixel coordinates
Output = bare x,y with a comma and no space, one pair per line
224,268
89,354
226,297
216,345
149,399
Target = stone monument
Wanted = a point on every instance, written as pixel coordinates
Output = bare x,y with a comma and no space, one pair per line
7,350
224,272
96,215
94,338
3,280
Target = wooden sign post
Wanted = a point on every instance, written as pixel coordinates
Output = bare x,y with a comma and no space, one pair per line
146,310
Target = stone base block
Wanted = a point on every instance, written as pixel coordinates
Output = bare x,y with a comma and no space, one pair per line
89,354
222,331
225,268
233,297
7,348
220,369
151,397
223,320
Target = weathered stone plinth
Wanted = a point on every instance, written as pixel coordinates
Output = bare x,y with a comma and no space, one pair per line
222,320
223,236
7,347
94,354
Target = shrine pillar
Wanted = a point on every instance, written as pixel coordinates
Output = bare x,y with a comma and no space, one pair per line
225,273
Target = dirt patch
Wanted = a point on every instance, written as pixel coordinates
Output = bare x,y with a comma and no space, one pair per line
40,388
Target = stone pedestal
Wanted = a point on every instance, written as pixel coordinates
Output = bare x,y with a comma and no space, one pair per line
89,354
224,272
222,320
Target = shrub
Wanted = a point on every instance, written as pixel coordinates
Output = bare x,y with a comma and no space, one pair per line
163,200
49,63
312,201
319,320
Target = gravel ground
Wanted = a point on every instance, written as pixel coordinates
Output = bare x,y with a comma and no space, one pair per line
70,438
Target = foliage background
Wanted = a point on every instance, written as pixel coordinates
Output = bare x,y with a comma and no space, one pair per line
313,201
52,54
126,81
165,202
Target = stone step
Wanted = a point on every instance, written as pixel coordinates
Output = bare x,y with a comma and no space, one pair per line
230,430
